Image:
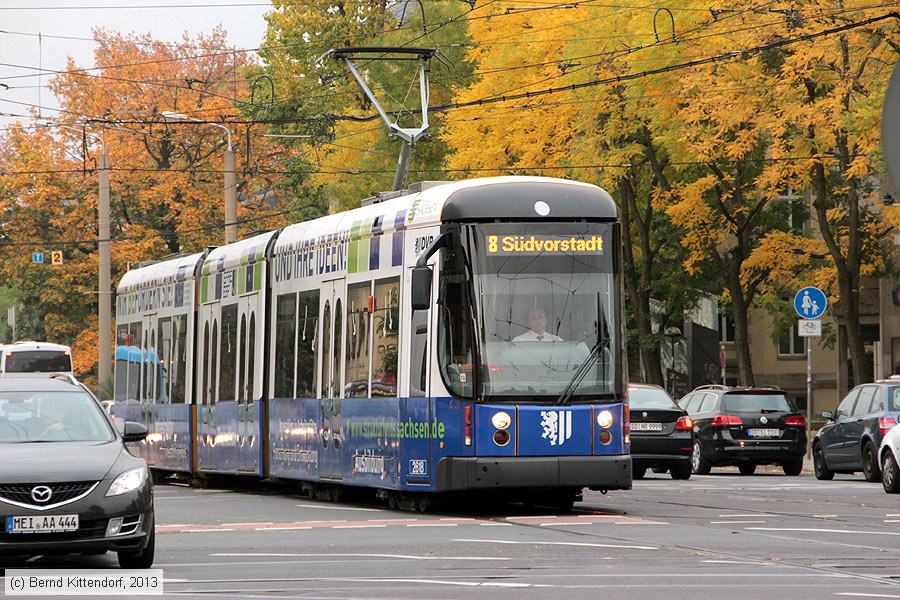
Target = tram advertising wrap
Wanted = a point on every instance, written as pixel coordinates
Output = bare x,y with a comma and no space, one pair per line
297,354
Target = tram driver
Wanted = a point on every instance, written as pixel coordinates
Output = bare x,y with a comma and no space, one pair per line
537,328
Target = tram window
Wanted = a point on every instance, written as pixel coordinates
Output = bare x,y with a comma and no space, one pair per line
213,358
242,361
418,352
308,326
386,339
179,360
327,388
228,353
357,354
122,352
285,323
134,365
165,358
338,331
454,332
251,357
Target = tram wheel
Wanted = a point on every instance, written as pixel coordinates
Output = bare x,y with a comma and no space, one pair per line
392,500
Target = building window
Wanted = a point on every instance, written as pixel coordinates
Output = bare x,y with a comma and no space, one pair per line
791,344
726,327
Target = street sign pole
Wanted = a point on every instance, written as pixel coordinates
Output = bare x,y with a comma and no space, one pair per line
809,394
810,304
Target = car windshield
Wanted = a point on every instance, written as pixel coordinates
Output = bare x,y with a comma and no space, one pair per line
546,308
644,398
42,416
754,403
38,361
894,399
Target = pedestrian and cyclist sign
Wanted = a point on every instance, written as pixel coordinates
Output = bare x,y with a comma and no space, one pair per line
810,303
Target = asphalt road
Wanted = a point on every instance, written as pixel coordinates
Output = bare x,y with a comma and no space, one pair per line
719,536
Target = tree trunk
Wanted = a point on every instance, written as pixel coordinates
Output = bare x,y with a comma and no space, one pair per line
741,325
638,286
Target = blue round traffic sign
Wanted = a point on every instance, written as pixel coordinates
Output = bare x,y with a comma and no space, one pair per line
810,303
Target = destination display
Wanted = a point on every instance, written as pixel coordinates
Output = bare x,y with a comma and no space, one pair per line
543,244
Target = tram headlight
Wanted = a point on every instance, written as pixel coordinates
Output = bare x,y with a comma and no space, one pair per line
501,420
605,419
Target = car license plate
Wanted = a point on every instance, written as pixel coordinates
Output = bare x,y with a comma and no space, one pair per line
42,524
646,426
764,432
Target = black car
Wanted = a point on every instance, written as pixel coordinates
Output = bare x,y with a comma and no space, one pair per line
745,427
850,441
662,434
67,482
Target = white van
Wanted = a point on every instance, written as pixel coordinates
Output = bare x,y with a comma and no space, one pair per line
35,357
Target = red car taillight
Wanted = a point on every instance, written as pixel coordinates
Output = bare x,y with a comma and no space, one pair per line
726,421
886,424
684,424
795,421
468,430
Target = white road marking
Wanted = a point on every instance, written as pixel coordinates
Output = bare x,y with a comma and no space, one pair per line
733,522
431,525
863,595
578,544
454,583
811,529
640,523
203,530
280,528
333,555
733,562
826,516
566,524
496,524
328,507
892,520
255,523
357,526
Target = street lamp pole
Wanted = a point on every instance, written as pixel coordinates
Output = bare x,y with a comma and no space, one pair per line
229,173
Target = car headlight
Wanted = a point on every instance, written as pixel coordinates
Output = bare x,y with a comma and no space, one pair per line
128,482
501,420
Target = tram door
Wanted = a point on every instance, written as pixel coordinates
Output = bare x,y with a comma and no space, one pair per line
332,421
149,368
247,409
208,386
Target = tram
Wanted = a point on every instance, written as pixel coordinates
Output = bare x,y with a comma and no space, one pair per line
455,337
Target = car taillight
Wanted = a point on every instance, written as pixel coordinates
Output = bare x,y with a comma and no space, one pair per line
886,424
684,424
795,421
726,421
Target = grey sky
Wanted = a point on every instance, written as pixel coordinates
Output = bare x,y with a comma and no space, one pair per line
167,21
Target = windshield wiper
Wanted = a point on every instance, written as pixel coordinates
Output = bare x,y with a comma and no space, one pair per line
585,366
580,374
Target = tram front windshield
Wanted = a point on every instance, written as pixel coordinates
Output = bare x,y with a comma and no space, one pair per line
545,309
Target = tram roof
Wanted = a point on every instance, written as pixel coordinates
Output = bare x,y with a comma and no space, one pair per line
167,271
472,199
241,253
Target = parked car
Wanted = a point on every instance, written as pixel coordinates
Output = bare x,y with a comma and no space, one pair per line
850,441
67,483
745,427
889,461
662,434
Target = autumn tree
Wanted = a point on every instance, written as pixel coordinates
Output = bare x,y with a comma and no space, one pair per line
829,108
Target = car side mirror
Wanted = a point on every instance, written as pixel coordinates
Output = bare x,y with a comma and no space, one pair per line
134,432
421,288
828,415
